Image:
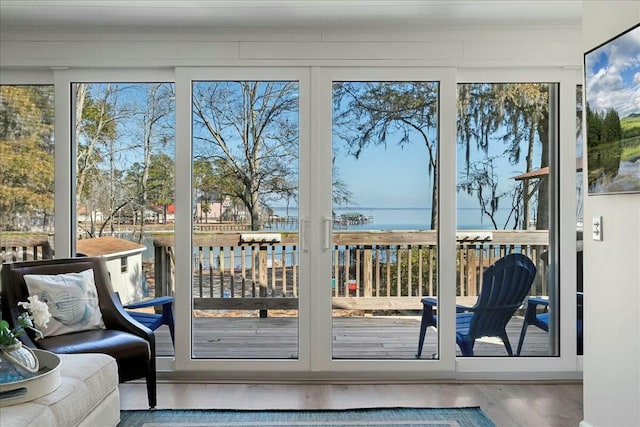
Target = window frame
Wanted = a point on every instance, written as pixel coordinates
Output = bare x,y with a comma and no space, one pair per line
567,365
563,236
420,368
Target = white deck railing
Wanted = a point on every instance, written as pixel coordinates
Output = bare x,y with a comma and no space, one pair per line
371,270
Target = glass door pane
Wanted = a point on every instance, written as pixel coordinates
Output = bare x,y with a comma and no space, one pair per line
506,136
124,180
384,218
245,257
27,172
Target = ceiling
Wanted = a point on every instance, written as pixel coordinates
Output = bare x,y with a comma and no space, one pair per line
275,13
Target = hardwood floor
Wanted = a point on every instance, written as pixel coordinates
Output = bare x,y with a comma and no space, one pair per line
508,404
511,404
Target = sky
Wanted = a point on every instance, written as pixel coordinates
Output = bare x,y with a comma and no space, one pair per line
391,177
398,176
612,75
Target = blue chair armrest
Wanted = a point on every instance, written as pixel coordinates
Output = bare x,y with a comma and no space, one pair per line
150,303
433,302
152,320
532,309
538,301
429,301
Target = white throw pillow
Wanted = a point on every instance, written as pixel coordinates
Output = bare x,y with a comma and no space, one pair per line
72,299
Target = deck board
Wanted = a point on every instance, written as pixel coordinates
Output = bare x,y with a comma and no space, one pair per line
353,338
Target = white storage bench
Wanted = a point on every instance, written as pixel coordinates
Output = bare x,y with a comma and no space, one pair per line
88,396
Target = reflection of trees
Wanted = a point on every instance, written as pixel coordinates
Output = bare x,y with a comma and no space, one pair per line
604,135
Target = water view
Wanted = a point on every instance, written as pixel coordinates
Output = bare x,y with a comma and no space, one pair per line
401,218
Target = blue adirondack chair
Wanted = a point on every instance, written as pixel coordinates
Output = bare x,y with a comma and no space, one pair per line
154,320
541,320
505,286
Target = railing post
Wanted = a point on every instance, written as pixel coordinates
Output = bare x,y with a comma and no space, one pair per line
262,275
158,267
47,251
472,271
162,270
367,267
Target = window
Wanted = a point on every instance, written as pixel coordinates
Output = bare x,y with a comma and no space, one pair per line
343,178
506,136
245,136
384,215
27,172
124,179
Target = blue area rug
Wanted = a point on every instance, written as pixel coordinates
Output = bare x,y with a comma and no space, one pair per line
388,417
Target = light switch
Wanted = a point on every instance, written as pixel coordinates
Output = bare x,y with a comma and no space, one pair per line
597,228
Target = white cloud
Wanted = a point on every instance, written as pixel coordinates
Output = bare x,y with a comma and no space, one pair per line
606,87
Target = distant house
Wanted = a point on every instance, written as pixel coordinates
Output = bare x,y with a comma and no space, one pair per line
85,215
124,262
211,211
171,213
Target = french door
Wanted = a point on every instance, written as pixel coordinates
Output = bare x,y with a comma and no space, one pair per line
243,141
258,233
320,213
383,237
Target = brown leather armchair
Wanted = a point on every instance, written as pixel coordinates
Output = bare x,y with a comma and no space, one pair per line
129,342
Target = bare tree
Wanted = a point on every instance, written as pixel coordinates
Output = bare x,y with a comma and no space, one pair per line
155,131
482,180
248,130
97,115
119,128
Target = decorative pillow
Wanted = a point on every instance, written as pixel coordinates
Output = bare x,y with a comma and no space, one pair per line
72,299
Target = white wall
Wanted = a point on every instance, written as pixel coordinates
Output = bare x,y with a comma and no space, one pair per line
611,272
472,47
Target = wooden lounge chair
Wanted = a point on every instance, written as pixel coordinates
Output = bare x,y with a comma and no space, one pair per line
505,286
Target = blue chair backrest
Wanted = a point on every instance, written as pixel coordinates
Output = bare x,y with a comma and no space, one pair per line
505,285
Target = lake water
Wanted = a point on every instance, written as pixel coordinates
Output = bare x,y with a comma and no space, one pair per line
411,218
383,219
627,179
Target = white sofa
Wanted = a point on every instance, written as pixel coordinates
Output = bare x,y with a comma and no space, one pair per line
88,396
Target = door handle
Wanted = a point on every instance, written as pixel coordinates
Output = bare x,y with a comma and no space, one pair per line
304,235
326,233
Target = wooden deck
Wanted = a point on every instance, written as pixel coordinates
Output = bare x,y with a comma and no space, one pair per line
353,338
